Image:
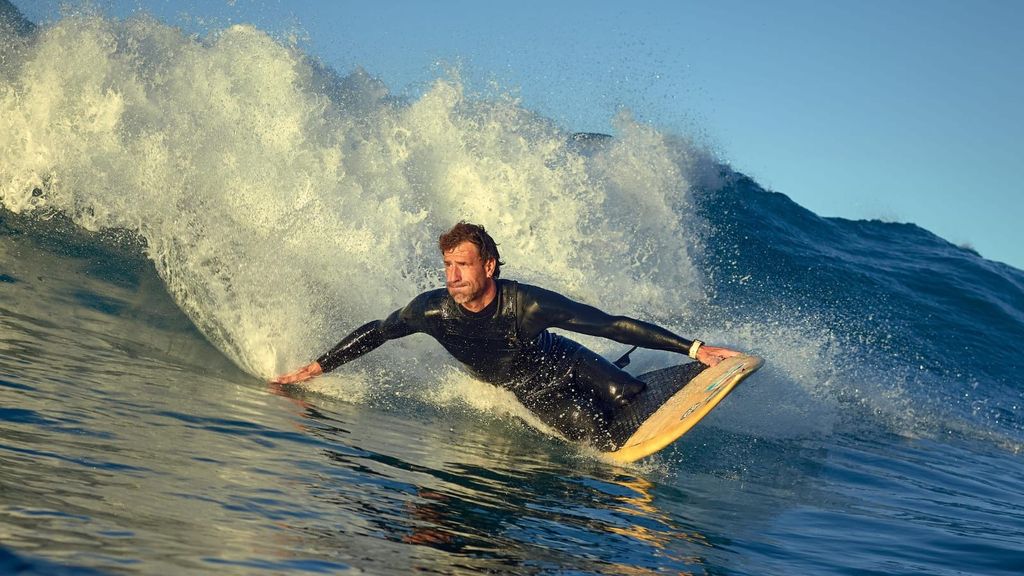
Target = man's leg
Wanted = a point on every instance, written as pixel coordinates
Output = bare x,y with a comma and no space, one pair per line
572,409
613,387
584,404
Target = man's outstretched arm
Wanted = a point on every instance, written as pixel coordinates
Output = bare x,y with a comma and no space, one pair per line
367,337
562,312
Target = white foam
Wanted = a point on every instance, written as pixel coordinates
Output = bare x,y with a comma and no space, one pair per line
284,206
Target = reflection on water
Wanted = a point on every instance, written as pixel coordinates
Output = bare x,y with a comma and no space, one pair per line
662,536
485,499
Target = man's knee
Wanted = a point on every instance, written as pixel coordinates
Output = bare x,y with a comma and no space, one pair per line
614,387
628,391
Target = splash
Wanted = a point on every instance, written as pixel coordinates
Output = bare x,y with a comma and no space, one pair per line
284,204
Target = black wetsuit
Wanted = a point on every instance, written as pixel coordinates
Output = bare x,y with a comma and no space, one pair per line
508,344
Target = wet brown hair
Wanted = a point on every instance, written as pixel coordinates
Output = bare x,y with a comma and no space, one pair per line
466,232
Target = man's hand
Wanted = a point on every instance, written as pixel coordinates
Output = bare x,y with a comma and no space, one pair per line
712,355
300,375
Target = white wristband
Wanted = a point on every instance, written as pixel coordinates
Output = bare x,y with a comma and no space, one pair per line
694,347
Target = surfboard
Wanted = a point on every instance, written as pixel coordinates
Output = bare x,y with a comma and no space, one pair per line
676,398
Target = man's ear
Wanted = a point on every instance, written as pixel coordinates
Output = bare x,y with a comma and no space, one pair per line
489,267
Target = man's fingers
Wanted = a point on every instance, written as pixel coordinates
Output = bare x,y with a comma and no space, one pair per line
300,375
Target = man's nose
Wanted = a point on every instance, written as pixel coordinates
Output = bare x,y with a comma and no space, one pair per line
452,274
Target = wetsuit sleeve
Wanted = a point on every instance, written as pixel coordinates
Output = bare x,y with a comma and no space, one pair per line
369,336
550,309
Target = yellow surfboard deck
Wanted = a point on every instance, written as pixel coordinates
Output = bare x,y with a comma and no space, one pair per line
685,407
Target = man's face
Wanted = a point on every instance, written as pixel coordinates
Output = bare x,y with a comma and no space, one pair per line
466,274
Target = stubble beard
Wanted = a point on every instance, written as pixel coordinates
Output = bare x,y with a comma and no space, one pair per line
463,294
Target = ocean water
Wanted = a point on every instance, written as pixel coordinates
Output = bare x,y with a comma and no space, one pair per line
183,217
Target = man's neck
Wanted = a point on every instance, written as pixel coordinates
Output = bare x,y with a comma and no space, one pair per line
488,295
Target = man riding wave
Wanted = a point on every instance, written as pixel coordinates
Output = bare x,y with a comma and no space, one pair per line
498,329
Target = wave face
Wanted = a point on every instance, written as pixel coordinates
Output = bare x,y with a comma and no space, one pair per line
912,325
279,205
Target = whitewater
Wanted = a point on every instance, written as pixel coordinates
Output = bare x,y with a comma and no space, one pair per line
183,217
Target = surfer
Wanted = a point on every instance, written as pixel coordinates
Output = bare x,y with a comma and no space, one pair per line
499,330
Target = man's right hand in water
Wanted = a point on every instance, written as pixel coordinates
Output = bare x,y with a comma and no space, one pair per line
300,375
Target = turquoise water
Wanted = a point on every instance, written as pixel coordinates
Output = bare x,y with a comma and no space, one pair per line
153,277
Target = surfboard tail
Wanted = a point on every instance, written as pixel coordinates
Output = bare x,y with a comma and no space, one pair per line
661,385
681,396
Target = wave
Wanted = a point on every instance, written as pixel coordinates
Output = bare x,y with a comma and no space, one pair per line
283,204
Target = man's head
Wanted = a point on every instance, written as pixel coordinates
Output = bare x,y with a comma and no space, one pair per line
471,261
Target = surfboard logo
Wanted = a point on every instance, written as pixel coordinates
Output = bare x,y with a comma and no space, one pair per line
713,389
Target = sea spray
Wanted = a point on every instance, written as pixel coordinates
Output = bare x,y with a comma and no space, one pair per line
283,205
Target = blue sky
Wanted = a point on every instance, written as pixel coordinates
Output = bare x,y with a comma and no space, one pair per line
908,110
